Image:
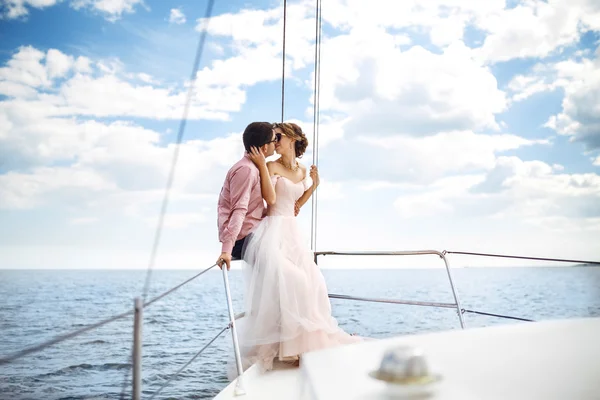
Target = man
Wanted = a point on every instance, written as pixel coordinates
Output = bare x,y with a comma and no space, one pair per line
241,206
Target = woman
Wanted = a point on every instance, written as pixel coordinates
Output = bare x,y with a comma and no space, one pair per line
287,305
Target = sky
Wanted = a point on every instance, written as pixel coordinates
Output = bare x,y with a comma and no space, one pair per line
460,125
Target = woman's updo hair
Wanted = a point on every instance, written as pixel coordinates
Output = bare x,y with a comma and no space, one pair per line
293,131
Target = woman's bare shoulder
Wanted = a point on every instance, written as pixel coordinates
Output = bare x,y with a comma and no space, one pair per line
273,167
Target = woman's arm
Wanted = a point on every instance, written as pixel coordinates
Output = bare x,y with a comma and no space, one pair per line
314,175
266,186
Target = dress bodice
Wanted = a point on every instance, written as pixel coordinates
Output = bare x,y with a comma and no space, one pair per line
287,193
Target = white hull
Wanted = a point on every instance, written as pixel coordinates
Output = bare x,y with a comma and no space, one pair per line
552,360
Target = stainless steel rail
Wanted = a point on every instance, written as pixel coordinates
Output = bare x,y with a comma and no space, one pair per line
406,302
456,303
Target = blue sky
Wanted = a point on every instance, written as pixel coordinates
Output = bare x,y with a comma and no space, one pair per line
453,125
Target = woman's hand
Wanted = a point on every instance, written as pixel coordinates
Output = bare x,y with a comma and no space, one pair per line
257,157
314,175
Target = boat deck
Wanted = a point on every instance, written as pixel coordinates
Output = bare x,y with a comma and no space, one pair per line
283,382
551,360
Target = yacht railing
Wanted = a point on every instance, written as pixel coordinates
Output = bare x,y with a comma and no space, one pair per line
139,306
442,255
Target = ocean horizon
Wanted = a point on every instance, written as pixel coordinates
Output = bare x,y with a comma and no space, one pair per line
42,305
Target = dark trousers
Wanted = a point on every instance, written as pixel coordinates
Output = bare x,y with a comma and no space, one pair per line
236,252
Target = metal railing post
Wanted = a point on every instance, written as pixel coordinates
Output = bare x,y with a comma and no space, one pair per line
456,300
406,253
137,349
239,387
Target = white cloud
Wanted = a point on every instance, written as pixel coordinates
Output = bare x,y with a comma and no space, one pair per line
448,91
525,86
28,190
104,94
328,190
146,78
259,33
437,17
408,159
84,220
58,64
83,65
536,190
18,8
532,192
418,90
435,199
25,68
580,81
176,16
62,155
536,28
112,9
178,220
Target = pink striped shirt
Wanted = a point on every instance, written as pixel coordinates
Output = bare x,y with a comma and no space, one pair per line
240,207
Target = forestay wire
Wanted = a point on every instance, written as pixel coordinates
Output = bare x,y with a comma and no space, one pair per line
316,119
283,61
171,178
182,125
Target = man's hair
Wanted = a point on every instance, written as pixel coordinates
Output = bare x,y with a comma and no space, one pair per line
257,134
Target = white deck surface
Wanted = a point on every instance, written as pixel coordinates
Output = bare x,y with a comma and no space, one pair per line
282,383
553,360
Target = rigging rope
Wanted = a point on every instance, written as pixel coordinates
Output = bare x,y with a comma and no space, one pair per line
424,304
176,374
180,133
58,339
316,120
283,60
523,257
182,124
495,315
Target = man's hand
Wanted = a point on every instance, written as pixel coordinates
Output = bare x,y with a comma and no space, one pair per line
296,209
224,258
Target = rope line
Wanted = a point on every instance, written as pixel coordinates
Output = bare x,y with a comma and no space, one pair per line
424,304
156,393
523,257
165,203
126,377
61,338
495,315
128,371
178,286
283,60
316,119
316,194
405,302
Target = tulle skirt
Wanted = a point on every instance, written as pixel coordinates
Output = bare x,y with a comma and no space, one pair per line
286,302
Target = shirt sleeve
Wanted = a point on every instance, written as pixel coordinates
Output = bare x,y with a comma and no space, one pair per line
241,187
